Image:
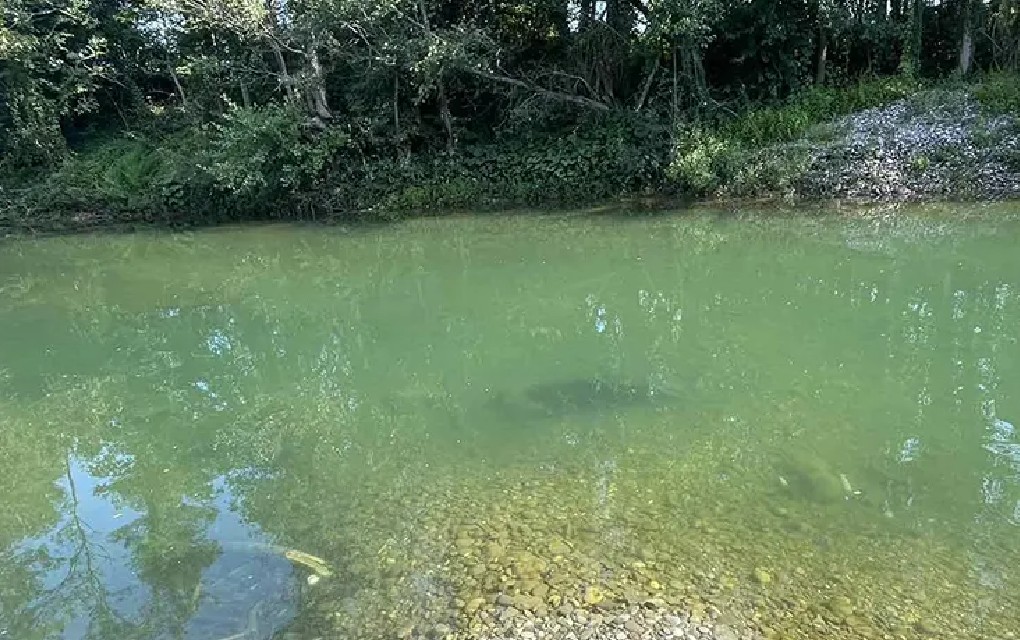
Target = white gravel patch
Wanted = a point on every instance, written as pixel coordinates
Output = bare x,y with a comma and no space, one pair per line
936,145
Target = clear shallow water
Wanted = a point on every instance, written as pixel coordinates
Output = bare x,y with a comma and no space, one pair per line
803,426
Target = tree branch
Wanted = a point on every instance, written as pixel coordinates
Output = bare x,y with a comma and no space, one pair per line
555,95
640,8
647,86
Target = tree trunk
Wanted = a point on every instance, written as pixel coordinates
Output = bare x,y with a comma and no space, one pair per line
562,18
647,86
245,95
821,54
317,89
676,96
910,61
1003,35
692,69
817,14
281,63
917,32
620,17
444,113
1009,22
396,102
967,39
586,16
281,66
444,104
966,53
553,95
177,82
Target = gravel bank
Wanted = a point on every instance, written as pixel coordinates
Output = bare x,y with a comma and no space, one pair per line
934,146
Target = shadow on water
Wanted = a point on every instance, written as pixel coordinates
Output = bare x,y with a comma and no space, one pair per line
580,397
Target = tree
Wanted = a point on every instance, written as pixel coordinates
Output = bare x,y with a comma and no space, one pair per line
1005,33
404,76
50,60
910,62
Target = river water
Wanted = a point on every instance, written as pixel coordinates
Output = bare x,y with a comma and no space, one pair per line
799,426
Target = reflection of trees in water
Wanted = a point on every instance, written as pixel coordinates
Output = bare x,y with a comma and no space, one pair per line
83,588
62,576
169,553
22,586
66,578
30,507
157,458
59,578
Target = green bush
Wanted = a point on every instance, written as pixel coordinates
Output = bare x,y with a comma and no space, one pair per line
707,159
919,164
271,161
815,105
268,153
767,172
701,160
999,93
563,170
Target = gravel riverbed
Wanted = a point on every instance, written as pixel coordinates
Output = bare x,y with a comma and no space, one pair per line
636,623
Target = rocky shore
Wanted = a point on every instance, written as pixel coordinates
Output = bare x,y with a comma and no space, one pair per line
937,145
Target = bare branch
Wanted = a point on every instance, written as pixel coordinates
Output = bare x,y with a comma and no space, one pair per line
647,86
554,95
641,8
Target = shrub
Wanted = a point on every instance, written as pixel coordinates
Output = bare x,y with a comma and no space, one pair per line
700,160
265,154
999,93
706,159
783,123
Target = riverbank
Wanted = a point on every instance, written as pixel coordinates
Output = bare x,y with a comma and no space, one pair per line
936,145
888,140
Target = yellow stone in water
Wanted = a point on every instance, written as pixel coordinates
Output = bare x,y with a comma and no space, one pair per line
494,551
527,603
593,596
559,548
474,605
841,606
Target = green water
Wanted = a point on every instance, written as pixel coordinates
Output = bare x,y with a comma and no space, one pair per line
801,425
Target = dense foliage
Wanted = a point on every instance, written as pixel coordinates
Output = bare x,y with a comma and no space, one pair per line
239,108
